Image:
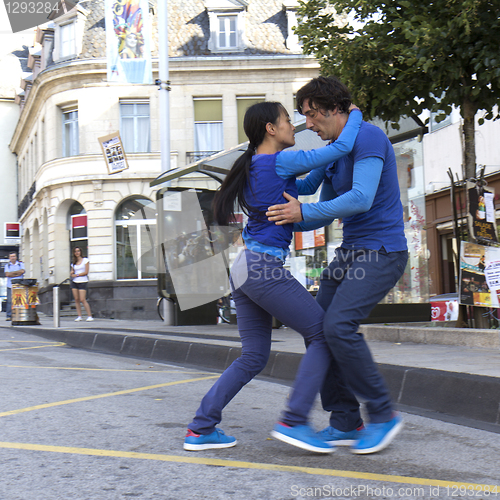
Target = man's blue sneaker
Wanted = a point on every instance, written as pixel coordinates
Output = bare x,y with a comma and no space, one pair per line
301,436
376,437
198,442
335,437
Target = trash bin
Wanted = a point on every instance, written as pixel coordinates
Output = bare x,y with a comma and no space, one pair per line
24,301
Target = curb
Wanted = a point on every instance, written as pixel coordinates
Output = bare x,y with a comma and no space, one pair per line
473,397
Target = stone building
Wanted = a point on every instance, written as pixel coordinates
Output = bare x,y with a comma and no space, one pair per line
224,56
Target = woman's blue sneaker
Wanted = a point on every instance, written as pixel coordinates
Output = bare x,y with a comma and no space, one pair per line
335,437
376,437
301,436
198,442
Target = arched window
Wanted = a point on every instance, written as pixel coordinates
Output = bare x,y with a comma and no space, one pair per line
77,225
135,224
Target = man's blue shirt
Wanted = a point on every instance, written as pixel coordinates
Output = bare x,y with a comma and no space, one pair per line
362,189
9,268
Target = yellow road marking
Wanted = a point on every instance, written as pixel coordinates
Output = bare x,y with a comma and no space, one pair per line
100,369
28,341
99,396
245,465
57,344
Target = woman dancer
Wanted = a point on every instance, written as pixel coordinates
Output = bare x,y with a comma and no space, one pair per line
261,287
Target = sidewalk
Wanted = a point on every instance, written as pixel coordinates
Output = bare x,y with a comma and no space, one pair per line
451,371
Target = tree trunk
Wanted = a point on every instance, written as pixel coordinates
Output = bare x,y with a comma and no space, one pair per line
469,110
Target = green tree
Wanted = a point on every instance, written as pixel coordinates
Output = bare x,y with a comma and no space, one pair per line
405,56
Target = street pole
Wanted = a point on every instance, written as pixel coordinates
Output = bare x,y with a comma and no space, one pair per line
164,83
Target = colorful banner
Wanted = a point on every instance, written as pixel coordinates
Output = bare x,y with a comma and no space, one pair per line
479,275
128,41
481,213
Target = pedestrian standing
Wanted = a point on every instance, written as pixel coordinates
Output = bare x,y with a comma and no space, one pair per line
79,275
13,269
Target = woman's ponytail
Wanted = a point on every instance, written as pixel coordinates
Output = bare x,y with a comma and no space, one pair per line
232,190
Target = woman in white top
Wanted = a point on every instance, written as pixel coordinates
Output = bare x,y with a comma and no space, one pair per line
79,278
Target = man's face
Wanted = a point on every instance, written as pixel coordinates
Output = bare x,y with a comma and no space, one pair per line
324,122
13,258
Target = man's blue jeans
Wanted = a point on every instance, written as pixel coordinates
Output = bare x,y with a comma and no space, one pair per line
269,291
8,307
350,287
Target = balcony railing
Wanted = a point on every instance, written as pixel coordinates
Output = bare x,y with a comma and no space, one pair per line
192,156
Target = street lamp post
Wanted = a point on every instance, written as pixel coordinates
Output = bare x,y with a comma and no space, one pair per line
164,85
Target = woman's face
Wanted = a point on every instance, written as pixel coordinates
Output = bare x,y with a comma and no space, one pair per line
131,40
77,252
285,131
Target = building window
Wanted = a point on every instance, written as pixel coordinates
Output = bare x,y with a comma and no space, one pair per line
242,104
70,133
134,126
67,45
227,21
208,130
297,117
135,225
228,36
75,212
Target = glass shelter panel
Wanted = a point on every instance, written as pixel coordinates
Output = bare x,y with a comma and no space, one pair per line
313,250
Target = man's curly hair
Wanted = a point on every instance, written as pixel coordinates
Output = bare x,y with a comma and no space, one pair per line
326,93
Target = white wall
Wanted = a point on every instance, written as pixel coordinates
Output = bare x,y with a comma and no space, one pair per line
443,150
9,114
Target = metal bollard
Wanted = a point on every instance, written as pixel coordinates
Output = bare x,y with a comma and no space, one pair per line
56,306
168,312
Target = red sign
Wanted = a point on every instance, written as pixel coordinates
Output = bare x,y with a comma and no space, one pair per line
78,227
12,230
444,311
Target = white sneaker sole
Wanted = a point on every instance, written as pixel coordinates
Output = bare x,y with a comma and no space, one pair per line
208,446
384,443
341,442
300,444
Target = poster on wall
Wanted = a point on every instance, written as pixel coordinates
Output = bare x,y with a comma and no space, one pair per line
114,155
310,239
128,41
479,275
481,212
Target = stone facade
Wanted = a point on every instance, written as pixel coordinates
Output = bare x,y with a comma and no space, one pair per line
50,181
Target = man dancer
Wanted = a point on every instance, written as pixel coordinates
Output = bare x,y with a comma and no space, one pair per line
362,189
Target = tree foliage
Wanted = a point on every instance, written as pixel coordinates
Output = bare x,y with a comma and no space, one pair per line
404,57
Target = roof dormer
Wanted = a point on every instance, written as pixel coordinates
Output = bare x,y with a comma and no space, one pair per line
227,25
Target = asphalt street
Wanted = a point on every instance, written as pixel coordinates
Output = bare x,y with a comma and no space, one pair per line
85,425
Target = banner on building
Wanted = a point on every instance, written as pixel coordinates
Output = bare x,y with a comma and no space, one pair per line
114,155
128,41
479,275
78,227
481,212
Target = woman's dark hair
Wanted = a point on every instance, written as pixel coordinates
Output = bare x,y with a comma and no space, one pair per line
74,257
232,189
325,92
